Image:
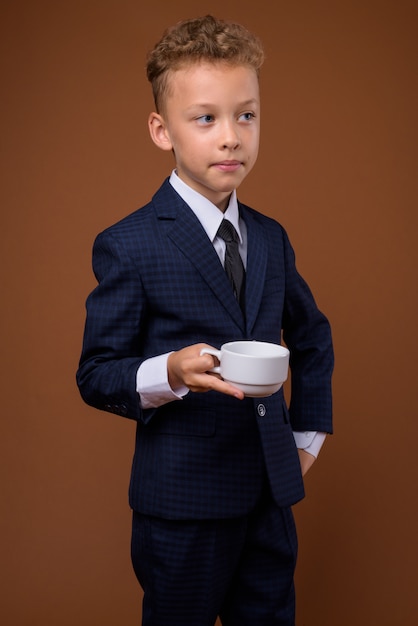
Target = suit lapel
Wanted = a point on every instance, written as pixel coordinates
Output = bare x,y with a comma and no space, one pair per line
256,267
184,229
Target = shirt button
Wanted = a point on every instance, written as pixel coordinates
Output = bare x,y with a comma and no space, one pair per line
261,410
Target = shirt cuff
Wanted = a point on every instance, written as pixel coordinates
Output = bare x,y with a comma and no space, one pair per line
310,441
152,383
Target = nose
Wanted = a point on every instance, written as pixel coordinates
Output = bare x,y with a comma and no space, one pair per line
230,136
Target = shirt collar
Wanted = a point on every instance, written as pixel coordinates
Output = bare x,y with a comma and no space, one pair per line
206,212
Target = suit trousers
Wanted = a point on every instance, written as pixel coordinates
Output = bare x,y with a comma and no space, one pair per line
241,569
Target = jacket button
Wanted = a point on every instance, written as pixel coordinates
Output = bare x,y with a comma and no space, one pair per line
261,410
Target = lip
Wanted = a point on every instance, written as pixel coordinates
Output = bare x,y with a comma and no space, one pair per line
228,166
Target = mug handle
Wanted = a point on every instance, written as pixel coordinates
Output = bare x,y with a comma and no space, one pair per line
213,352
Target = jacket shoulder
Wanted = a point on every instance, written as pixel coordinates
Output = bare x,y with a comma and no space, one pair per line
261,218
143,214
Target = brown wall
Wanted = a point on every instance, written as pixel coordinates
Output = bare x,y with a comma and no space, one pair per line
338,167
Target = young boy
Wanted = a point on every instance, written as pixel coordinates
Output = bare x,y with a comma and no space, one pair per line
214,474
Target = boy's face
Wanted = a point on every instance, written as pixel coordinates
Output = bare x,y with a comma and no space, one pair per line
211,121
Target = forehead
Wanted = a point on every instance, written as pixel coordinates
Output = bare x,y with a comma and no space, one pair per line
216,81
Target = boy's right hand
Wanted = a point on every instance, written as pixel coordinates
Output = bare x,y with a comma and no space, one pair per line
188,367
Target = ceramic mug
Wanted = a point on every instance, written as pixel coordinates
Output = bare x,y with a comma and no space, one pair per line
258,368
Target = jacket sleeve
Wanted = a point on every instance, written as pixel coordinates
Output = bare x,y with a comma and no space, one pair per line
110,356
307,333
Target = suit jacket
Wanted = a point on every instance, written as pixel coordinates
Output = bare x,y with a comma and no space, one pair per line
162,287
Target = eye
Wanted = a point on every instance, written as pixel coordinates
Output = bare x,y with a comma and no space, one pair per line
247,117
205,119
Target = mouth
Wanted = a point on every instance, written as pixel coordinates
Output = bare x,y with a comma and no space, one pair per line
228,166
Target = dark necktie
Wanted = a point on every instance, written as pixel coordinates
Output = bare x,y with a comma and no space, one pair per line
234,267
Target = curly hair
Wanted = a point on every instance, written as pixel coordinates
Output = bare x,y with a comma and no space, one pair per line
199,40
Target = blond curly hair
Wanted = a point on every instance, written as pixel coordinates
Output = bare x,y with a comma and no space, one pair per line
202,39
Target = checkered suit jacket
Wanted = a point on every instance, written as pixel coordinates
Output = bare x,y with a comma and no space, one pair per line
161,287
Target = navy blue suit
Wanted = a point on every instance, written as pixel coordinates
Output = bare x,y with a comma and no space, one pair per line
162,287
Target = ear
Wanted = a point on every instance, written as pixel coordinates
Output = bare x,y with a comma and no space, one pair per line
159,132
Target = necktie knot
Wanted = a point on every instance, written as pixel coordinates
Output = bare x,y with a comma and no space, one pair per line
227,232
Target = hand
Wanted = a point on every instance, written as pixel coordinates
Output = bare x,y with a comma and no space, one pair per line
187,367
306,461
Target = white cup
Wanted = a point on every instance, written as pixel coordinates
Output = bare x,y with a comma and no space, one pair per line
258,368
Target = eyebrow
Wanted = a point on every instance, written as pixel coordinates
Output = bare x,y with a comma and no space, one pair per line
205,105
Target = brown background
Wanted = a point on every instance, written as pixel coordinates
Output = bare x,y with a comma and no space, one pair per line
338,167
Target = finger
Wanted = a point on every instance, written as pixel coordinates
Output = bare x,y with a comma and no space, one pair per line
207,362
218,384
230,390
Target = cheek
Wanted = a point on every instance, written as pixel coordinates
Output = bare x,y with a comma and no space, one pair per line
185,142
256,143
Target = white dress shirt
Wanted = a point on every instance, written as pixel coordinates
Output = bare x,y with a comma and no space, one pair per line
152,376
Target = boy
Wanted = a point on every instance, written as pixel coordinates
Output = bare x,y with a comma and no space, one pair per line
214,474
